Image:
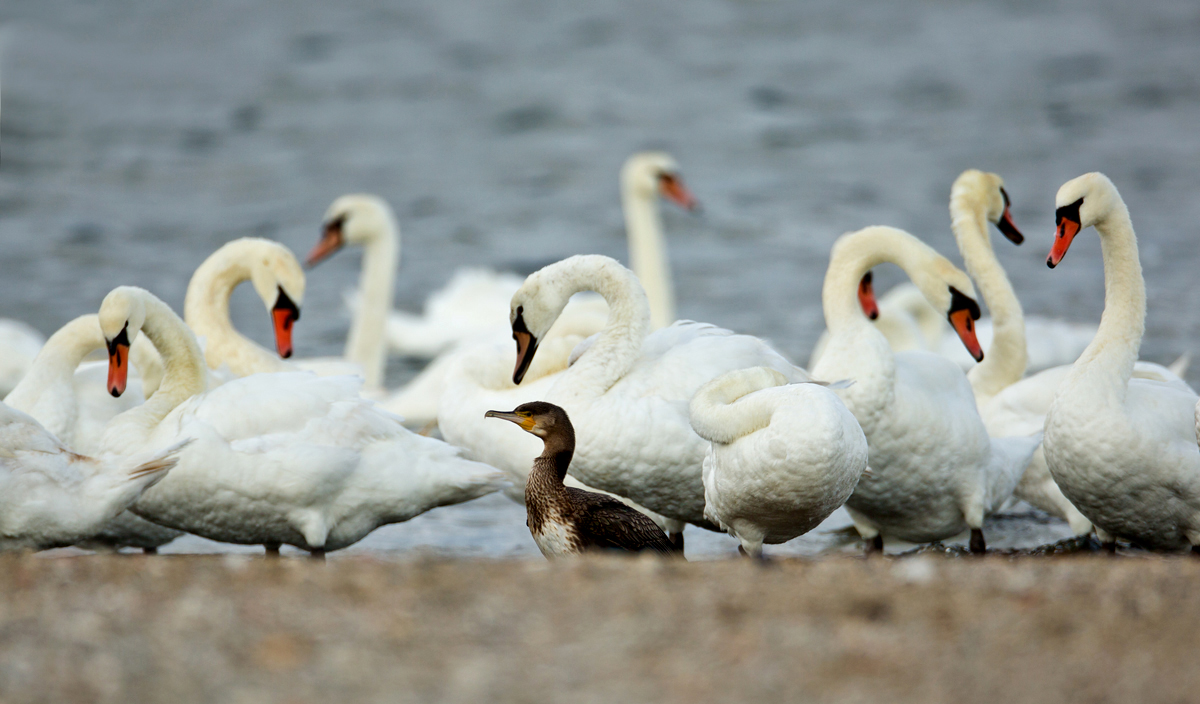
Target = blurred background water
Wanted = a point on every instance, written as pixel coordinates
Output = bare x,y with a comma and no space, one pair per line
139,136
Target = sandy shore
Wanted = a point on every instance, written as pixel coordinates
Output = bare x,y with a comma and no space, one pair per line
930,629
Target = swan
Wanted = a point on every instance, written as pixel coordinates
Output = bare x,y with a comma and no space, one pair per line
19,344
783,456
1122,449
66,395
628,394
473,308
909,323
934,470
279,281
53,497
277,458
568,521
475,302
1009,404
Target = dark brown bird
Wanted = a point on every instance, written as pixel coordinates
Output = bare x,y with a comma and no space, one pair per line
569,521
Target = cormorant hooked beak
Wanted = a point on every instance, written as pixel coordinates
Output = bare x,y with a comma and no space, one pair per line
526,422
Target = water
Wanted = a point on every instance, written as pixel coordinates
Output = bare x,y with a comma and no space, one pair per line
138,137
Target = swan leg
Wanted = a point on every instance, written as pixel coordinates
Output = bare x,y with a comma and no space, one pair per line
677,541
272,549
149,551
1107,542
317,554
978,544
867,531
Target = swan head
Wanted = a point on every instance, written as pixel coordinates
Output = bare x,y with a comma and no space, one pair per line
1082,202
649,175
536,306
122,314
538,418
947,288
279,281
987,189
356,219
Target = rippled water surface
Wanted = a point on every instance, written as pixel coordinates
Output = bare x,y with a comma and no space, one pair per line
139,136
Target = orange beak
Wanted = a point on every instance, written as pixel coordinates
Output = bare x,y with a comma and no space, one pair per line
526,348
672,188
1008,228
866,297
118,363
1066,231
284,315
964,325
330,242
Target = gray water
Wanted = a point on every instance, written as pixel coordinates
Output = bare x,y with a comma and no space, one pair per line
140,136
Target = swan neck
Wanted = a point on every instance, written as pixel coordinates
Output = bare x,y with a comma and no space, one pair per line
1114,350
1006,358
57,360
619,344
365,344
648,254
839,293
206,305
184,370
719,413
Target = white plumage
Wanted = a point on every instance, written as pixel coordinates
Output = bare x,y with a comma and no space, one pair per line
934,470
52,497
1122,449
278,458
628,394
783,456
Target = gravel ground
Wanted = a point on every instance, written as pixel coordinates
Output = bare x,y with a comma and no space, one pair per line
924,629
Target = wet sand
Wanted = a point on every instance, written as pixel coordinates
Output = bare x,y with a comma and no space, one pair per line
1087,628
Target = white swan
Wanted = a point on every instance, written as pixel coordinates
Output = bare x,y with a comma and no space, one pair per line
909,323
783,456
53,497
279,281
473,307
19,344
934,470
67,396
1009,404
628,393
1122,449
475,301
277,458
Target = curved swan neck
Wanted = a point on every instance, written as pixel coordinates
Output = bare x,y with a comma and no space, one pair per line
719,412
184,369
206,308
851,259
619,344
57,360
1114,350
648,253
1006,358
365,343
